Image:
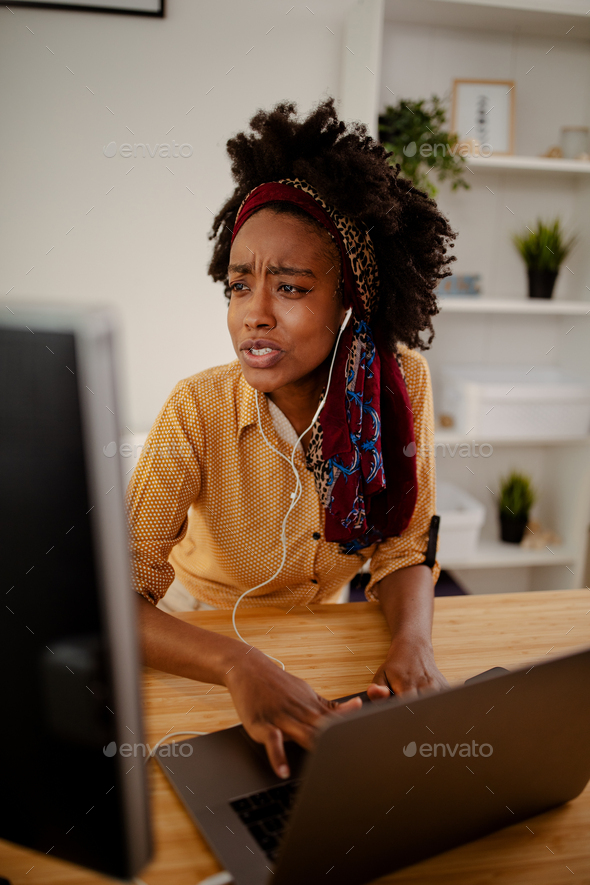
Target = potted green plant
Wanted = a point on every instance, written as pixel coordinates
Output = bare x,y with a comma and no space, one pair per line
414,131
543,251
517,496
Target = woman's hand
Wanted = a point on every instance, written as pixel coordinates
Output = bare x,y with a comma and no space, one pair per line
274,705
410,669
407,601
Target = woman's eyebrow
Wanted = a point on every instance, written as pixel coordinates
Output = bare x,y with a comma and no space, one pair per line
274,269
291,271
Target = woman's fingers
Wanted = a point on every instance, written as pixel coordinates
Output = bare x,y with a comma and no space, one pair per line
300,726
378,691
272,738
299,730
347,706
288,725
401,682
283,708
299,722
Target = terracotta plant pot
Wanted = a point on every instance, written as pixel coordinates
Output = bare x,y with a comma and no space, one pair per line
512,527
541,283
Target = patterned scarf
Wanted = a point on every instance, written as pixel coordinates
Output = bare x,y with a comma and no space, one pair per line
362,450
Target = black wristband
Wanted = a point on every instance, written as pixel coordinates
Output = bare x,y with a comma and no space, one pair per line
432,539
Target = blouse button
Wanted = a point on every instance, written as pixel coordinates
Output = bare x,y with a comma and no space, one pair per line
316,536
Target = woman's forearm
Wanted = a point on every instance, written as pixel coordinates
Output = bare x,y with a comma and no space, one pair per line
170,644
407,601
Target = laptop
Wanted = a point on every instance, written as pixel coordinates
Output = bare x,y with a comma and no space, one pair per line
392,783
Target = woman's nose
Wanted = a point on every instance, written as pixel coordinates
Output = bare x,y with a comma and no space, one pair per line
260,306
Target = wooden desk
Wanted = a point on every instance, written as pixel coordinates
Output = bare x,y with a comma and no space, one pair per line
333,647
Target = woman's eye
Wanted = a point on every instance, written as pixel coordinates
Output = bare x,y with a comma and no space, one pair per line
291,290
287,288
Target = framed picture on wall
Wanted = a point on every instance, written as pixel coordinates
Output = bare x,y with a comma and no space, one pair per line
130,7
484,110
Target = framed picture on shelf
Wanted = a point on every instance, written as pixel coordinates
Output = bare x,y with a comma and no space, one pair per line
129,7
483,110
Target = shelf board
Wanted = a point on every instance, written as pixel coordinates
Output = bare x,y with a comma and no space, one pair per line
530,164
497,554
449,437
538,306
546,18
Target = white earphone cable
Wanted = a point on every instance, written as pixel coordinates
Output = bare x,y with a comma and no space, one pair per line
298,487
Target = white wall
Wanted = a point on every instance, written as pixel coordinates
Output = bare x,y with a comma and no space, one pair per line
78,226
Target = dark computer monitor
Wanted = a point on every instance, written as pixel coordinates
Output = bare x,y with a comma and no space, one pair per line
69,665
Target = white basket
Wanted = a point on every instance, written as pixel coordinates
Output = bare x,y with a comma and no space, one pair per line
461,521
516,402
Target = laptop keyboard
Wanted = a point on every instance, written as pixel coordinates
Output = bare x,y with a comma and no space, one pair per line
266,814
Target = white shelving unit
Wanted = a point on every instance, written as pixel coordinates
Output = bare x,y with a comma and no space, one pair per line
544,45
526,307
530,164
494,554
446,437
543,18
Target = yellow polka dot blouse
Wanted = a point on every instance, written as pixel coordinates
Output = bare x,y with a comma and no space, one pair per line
207,499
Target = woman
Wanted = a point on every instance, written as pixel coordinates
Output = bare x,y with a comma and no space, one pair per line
330,262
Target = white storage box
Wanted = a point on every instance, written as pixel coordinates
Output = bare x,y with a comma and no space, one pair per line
461,521
516,402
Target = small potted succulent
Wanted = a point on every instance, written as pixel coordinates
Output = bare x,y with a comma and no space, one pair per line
543,251
517,496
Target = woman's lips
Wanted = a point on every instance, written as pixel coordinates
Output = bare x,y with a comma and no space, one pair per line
264,361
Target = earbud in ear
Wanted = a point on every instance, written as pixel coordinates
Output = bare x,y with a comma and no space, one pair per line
346,319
